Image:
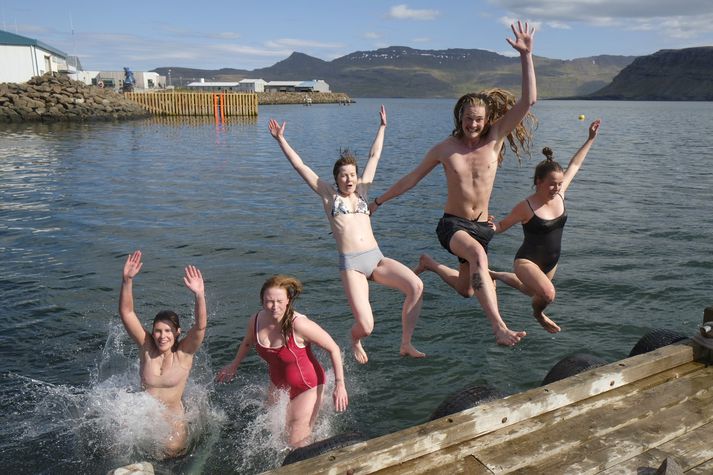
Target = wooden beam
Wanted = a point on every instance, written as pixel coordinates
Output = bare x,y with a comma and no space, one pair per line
394,449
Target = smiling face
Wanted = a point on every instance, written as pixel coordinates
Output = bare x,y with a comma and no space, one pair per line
275,301
473,121
550,184
164,335
347,179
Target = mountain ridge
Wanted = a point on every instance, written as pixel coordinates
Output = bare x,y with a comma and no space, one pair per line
401,71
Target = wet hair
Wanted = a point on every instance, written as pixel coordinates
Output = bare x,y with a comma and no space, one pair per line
546,166
496,103
293,287
170,317
346,157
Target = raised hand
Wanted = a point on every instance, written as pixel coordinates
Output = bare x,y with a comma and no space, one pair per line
276,130
132,266
594,129
523,38
194,280
382,115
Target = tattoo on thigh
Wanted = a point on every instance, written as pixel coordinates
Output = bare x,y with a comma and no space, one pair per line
476,282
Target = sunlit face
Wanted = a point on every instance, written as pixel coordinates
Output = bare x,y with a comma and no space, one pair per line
347,179
275,301
473,121
551,183
164,335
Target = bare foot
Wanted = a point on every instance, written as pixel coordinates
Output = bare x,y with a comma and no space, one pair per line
425,262
546,322
359,353
507,337
409,350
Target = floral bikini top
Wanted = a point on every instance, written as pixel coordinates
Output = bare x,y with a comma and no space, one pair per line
341,206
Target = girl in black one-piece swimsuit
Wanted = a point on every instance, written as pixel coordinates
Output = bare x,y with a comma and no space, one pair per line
543,216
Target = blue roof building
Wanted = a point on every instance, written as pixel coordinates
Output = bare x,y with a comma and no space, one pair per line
21,58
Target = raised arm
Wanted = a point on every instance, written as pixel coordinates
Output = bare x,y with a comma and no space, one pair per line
228,372
194,281
367,176
522,43
576,162
407,182
308,175
313,333
131,322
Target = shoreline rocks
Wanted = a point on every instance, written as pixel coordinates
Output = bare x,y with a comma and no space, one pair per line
59,99
304,98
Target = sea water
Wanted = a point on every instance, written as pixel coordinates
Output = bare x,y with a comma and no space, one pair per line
75,199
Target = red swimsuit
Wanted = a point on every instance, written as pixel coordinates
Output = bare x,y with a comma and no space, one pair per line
291,367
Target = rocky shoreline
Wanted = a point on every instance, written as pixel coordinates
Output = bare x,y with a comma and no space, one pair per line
60,99
274,98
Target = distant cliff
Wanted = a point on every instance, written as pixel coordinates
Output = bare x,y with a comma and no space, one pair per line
667,75
399,71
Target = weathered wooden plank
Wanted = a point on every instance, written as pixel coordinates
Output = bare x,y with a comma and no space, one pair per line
591,444
414,442
508,435
690,450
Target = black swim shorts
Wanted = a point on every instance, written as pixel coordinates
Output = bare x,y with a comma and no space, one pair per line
449,224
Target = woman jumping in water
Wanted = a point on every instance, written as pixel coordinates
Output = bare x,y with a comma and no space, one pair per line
283,337
165,362
360,259
543,215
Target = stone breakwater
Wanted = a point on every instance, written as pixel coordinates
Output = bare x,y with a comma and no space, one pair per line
58,98
271,98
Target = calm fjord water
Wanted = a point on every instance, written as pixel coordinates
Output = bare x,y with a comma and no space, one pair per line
76,198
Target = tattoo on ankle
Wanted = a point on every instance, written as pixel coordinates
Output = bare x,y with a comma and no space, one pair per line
476,282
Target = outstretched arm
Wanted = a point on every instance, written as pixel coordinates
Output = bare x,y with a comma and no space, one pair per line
428,163
518,214
576,162
308,175
228,372
126,299
375,153
523,43
194,281
311,332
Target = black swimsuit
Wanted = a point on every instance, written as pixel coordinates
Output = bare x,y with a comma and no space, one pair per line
543,240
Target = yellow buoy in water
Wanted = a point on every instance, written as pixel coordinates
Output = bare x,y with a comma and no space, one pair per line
581,117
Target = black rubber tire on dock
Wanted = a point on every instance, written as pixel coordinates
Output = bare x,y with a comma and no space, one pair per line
655,339
318,448
465,399
571,365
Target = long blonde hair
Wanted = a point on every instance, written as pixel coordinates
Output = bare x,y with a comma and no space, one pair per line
293,287
496,103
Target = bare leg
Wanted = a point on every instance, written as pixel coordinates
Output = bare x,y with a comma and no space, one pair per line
510,278
178,439
465,246
395,275
541,289
356,288
301,413
457,279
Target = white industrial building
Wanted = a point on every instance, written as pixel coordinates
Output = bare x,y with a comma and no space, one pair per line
213,86
145,80
22,58
315,85
252,85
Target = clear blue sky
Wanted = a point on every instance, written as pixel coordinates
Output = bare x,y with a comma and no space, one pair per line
249,34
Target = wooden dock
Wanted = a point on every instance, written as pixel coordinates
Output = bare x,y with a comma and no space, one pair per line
218,105
626,417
